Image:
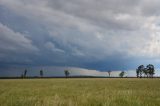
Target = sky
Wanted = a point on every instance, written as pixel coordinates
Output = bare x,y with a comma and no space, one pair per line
87,36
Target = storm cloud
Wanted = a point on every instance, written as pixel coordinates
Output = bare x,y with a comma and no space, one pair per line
92,34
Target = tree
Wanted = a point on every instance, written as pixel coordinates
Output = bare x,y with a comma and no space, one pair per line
41,73
151,70
109,73
25,73
137,72
122,74
66,72
140,70
148,71
145,71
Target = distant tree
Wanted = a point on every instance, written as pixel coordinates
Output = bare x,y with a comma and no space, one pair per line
109,73
41,73
148,71
122,74
151,70
137,73
145,72
25,73
140,70
66,72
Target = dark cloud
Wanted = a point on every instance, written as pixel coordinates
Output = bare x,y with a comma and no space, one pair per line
105,34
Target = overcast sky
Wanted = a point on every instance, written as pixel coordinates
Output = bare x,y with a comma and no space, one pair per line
88,34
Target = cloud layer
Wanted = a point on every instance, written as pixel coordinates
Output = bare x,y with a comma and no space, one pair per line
102,35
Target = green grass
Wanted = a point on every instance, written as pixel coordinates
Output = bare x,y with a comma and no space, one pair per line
80,92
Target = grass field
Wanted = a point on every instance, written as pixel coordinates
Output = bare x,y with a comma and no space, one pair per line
80,92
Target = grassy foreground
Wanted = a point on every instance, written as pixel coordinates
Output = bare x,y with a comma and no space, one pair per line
80,92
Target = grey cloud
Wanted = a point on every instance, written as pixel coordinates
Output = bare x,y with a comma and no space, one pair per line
89,31
51,46
13,45
11,41
150,8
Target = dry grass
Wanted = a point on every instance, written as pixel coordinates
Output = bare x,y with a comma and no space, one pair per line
80,92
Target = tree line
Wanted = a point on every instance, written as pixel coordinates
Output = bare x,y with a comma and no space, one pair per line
141,71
